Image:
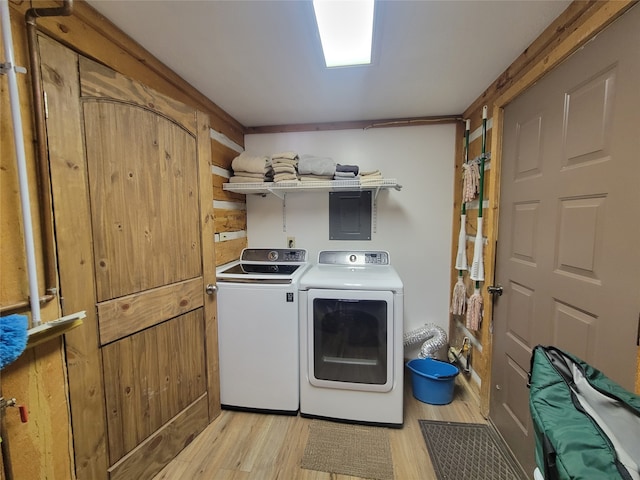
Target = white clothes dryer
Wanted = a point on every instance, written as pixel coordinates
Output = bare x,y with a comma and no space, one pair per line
351,339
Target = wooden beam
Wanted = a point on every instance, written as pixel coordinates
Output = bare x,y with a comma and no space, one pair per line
355,125
230,220
207,226
493,194
458,159
221,155
229,250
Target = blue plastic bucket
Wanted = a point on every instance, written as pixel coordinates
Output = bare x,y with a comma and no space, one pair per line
432,380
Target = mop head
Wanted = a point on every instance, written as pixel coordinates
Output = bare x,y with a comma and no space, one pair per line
470,181
474,312
13,338
459,300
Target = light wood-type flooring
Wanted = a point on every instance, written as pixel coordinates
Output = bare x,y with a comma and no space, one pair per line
242,446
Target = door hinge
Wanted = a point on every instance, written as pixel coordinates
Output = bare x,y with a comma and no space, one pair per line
495,290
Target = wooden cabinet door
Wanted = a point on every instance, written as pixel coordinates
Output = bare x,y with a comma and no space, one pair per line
133,208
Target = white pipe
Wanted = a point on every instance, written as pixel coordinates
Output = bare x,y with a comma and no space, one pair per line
18,138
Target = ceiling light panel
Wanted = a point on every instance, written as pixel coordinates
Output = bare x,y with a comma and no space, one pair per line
346,31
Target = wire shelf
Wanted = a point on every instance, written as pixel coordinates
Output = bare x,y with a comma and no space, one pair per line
281,188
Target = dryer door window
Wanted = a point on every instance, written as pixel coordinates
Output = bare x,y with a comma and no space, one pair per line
351,340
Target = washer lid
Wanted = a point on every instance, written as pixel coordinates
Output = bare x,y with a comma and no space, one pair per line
268,266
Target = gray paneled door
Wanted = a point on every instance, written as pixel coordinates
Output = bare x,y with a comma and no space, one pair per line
569,229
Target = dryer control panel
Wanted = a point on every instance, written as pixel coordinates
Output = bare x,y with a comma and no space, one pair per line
342,257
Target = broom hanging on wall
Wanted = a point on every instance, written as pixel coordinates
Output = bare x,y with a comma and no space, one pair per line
474,309
459,299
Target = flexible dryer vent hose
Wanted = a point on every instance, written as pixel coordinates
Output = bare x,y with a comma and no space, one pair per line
433,336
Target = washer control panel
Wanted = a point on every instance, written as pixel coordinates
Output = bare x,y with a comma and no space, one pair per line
354,258
274,255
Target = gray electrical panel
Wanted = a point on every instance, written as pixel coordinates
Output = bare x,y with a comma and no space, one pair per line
350,215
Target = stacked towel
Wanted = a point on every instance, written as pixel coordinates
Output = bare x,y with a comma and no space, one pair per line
249,179
346,172
370,177
285,166
316,178
251,168
317,166
286,156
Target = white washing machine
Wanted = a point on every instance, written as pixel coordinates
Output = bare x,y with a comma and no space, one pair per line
351,339
258,330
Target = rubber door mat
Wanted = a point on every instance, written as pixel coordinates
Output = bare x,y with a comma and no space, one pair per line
468,451
355,450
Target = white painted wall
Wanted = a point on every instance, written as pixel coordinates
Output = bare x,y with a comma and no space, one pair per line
413,224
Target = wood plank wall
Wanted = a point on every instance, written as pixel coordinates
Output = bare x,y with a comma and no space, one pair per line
572,29
230,211
43,448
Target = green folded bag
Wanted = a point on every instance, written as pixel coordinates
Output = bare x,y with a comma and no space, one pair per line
586,426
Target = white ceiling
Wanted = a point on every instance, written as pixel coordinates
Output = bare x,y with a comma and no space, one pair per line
261,60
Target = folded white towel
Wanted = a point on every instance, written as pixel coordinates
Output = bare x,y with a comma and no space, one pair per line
284,161
285,155
344,175
285,177
240,173
372,177
312,165
291,170
241,179
251,163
